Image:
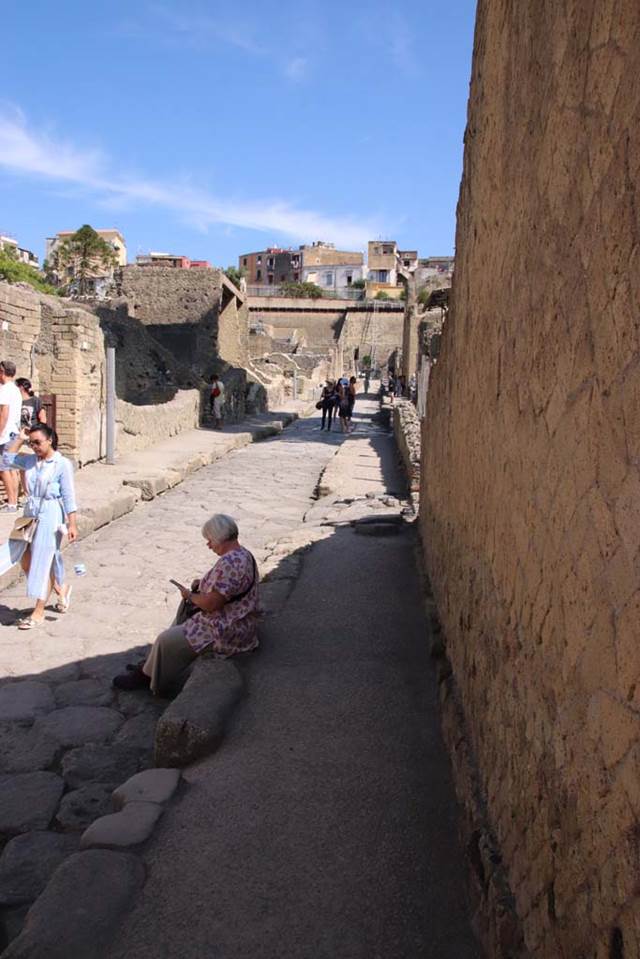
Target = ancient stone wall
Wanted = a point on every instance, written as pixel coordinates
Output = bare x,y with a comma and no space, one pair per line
164,296
20,321
530,500
406,429
139,427
376,334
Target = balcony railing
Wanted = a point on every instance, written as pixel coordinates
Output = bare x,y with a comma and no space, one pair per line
344,293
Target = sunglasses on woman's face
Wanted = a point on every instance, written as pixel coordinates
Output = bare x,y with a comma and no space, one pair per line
35,442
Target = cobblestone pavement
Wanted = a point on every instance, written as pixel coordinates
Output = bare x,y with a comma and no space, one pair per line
66,738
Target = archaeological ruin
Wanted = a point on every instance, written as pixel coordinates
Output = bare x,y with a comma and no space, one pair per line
530,489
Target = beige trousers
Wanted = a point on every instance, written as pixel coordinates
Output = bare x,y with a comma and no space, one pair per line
169,657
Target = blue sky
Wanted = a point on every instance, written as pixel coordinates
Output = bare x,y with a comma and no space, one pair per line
211,129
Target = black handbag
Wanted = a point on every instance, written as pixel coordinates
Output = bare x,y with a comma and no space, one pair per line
187,609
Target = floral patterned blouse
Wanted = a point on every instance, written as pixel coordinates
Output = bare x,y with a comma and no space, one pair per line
234,628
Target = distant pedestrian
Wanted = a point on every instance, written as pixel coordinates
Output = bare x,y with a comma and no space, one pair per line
10,417
32,409
391,387
51,506
343,400
216,401
32,413
367,376
351,396
328,400
399,390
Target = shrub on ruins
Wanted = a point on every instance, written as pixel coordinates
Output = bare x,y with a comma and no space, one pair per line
304,291
381,295
235,275
13,271
88,253
358,285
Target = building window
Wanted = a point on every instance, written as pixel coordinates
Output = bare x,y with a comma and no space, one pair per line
283,277
349,279
296,277
258,274
383,276
259,260
328,279
270,279
244,261
270,262
407,262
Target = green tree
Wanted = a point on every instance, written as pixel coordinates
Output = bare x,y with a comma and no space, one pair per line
13,271
235,275
305,291
381,295
358,285
88,254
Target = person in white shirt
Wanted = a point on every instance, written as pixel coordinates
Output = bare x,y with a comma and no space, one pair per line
10,413
216,400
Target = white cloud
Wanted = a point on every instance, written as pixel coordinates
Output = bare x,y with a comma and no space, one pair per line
26,152
296,69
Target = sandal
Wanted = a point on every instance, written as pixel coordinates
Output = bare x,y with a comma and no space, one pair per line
29,623
62,606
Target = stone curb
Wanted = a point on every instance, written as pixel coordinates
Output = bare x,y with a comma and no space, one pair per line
193,725
90,891
146,484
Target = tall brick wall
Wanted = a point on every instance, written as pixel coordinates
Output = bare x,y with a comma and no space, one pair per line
530,501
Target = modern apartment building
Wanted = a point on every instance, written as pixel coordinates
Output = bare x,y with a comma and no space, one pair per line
21,254
318,263
170,261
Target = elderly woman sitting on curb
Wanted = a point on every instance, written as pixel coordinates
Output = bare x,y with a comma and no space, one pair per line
224,614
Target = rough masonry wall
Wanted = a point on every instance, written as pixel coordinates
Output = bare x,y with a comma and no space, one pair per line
161,295
530,502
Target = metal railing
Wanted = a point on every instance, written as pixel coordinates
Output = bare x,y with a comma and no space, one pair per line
344,293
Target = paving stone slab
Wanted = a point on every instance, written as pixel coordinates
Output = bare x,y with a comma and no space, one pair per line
80,807
139,731
193,725
24,749
28,801
28,862
24,701
76,725
152,785
84,692
129,827
109,764
81,908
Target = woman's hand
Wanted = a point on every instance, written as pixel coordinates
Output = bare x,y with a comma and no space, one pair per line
195,586
185,593
72,529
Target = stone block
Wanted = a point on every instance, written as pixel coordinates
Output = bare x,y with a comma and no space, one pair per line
95,762
81,806
28,862
138,732
193,725
28,801
76,725
24,701
23,749
84,692
151,785
129,827
81,907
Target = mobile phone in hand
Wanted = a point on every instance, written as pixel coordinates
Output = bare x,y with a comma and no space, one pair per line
176,583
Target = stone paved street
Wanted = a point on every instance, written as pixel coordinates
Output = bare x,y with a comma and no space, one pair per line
62,727
67,739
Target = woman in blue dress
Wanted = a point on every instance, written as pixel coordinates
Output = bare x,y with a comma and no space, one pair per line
51,497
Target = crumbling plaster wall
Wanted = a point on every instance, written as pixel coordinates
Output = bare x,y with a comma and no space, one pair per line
530,501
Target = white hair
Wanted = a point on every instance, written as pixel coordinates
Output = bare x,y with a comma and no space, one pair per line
220,528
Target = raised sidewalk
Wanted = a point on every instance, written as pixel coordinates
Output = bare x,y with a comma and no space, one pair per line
105,493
